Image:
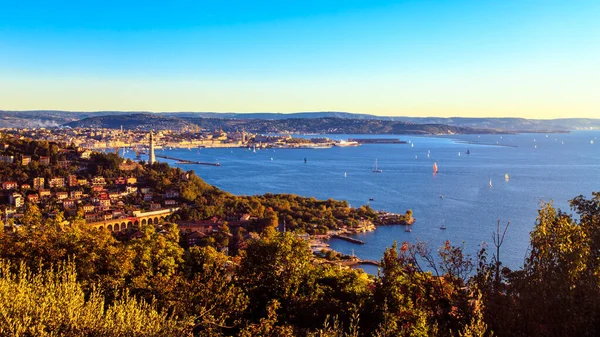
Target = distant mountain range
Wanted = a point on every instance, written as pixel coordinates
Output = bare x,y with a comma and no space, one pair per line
309,122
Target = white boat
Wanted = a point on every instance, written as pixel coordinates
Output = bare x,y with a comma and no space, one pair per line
443,226
407,229
592,142
376,169
345,175
490,182
412,145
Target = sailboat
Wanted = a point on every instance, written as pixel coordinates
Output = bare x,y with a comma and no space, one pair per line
506,177
435,168
443,226
254,149
375,169
490,182
407,229
345,175
412,145
468,151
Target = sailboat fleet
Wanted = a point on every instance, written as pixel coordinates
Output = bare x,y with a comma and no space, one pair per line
435,168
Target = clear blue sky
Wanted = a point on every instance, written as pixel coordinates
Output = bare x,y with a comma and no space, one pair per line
419,58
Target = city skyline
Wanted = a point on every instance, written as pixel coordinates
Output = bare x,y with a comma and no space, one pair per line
529,59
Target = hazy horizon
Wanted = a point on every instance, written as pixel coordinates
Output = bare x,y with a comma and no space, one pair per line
282,113
526,59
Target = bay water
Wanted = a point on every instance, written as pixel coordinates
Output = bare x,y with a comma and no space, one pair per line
540,167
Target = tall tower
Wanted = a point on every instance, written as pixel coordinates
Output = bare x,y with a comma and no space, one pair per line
151,158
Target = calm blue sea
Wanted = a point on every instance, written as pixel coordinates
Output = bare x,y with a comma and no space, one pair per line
541,168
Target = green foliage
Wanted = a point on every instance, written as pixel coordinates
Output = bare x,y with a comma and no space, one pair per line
32,216
275,268
205,289
299,213
53,303
156,257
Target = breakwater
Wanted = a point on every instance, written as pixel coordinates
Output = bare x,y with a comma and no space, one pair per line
185,161
347,238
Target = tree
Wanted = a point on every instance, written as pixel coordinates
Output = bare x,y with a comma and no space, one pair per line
276,267
156,257
32,216
208,293
560,286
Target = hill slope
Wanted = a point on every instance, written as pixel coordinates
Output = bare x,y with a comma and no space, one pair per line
52,118
290,125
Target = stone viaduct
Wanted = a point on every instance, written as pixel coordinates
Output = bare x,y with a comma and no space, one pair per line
139,218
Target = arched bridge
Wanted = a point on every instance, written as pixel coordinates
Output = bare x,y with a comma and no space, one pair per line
140,218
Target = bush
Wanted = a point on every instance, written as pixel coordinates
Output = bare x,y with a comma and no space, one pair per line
53,303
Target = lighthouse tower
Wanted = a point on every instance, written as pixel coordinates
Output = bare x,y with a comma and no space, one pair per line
151,157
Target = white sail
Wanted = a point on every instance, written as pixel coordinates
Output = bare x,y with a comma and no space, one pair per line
376,169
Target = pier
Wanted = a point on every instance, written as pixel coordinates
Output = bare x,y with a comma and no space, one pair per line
347,238
377,141
185,161
369,262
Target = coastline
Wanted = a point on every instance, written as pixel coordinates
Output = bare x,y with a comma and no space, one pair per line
321,248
